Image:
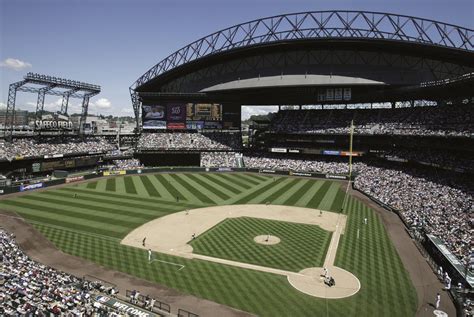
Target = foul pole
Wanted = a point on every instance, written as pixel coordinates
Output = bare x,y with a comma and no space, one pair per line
351,136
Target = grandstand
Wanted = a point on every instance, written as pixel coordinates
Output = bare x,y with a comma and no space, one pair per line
405,83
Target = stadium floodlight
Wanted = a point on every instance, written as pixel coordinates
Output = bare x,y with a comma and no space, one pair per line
75,89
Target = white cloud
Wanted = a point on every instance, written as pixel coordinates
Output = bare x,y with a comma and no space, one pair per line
248,111
3,106
54,106
102,103
15,64
127,111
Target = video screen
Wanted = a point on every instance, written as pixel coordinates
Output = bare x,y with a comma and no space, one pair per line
204,112
190,116
154,117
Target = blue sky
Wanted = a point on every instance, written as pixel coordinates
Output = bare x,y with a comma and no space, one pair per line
112,42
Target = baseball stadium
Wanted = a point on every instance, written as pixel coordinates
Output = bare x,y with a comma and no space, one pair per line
354,198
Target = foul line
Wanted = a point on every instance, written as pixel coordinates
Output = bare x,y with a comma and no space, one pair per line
170,263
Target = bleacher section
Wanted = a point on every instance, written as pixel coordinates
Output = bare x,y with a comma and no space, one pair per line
449,120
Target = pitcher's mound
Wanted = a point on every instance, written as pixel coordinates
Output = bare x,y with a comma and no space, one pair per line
267,240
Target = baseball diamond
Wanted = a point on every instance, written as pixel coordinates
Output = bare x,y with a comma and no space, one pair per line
108,219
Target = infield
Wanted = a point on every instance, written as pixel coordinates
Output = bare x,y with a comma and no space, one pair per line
227,238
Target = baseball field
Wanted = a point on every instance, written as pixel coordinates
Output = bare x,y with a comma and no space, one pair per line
94,220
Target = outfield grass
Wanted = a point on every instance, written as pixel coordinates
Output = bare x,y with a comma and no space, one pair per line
301,245
92,225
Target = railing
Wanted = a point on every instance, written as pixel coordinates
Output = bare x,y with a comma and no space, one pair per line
185,313
159,305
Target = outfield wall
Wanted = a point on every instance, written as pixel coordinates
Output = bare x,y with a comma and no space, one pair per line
42,184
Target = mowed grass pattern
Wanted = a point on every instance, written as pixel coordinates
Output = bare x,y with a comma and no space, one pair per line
92,225
301,245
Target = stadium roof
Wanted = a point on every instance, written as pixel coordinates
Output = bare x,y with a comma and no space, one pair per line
285,59
318,25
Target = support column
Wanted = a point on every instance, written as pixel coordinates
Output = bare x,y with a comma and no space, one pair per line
40,102
65,102
136,107
10,114
85,108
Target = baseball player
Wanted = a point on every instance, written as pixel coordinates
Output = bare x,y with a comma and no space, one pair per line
149,255
365,220
438,300
447,282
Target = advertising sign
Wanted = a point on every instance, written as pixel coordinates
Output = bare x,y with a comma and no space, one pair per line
30,187
331,176
36,167
278,150
224,169
212,125
53,125
195,125
74,179
176,116
267,171
109,173
176,125
124,307
330,152
300,174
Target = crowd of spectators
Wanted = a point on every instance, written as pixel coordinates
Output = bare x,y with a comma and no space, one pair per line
218,159
447,160
301,164
439,205
28,288
190,141
426,121
127,164
29,147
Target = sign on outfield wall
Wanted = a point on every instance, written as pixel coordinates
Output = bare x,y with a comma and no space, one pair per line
110,173
330,176
30,187
278,150
300,174
74,179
